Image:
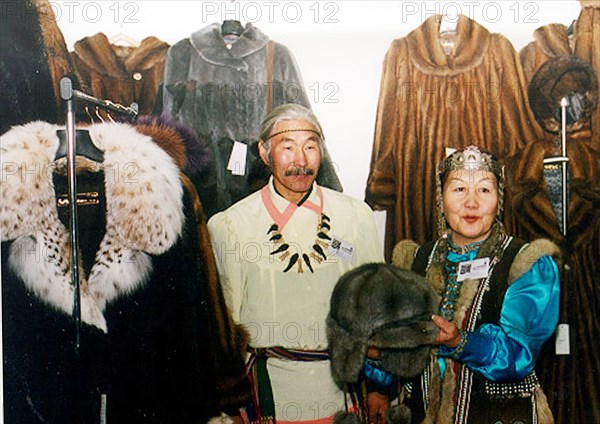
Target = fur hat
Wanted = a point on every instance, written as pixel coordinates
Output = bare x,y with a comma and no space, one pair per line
564,76
385,307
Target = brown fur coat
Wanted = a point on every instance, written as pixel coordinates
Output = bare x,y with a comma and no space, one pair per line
430,101
570,381
552,40
121,74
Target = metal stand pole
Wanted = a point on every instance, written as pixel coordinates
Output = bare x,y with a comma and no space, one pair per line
66,93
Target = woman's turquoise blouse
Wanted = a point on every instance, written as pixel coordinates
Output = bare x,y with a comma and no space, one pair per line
507,351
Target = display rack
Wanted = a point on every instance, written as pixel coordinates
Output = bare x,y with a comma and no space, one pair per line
69,95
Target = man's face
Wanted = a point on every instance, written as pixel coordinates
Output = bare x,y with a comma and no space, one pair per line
294,159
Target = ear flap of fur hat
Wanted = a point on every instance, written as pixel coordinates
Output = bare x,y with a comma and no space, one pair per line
383,306
347,349
568,77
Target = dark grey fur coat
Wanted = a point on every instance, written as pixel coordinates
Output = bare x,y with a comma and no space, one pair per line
222,94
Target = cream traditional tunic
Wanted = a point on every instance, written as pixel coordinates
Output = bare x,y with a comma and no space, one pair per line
289,309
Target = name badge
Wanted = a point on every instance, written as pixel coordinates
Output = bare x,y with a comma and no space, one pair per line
477,268
341,249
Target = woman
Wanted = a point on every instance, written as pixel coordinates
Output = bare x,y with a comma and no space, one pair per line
499,301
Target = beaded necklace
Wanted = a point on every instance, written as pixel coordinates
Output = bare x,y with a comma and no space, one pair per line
317,251
452,287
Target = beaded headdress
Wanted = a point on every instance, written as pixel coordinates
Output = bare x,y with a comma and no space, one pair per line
470,159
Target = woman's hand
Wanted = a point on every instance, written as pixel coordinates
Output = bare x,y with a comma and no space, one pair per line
449,335
377,406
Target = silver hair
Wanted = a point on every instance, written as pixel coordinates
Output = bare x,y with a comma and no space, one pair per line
288,112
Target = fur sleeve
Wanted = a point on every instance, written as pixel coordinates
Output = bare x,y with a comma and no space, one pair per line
404,254
529,255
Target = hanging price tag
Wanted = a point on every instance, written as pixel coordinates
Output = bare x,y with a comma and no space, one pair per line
237,159
563,345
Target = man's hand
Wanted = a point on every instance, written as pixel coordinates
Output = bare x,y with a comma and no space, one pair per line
448,335
377,406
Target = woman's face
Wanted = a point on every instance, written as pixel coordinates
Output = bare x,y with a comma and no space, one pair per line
470,202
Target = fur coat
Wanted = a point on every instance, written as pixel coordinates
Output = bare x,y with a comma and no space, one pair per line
552,40
222,94
33,58
430,101
570,381
148,335
122,74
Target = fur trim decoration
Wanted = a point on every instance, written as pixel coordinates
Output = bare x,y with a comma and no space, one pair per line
383,306
544,414
144,214
529,254
404,254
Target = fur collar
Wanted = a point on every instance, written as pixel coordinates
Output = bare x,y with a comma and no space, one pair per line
427,54
553,40
209,44
98,54
144,215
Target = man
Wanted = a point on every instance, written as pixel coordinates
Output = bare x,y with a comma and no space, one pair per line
280,252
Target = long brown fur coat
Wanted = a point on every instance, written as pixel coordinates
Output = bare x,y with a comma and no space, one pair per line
571,382
429,101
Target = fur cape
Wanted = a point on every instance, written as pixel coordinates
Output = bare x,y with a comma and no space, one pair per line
430,101
441,408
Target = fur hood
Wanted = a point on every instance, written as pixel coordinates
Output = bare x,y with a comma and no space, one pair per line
144,215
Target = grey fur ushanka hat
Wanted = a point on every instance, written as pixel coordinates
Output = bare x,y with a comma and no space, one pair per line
385,307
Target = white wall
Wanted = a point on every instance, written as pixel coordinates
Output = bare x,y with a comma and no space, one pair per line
339,46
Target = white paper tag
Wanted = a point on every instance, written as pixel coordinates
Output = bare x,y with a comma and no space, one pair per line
563,346
477,268
341,249
103,408
237,160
